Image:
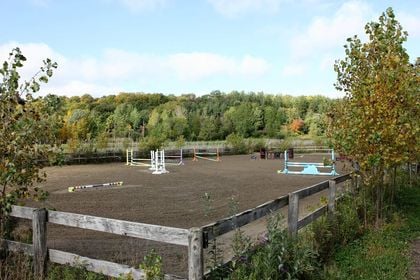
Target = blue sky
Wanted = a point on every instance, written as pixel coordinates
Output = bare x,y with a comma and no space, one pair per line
192,46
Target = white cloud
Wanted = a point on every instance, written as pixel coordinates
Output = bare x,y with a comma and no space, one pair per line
325,36
233,8
196,66
324,33
141,5
118,70
253,66
35,53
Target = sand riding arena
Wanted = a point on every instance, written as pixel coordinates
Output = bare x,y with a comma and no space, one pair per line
173,199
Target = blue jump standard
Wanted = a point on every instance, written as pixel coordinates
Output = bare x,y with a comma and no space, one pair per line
309,168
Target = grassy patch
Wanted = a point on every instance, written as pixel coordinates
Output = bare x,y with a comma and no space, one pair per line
384,253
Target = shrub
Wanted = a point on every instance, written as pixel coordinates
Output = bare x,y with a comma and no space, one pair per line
333,231
280,257
237,143
151,143
152,266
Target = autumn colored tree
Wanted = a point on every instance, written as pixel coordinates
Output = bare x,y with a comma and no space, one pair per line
26,142
297,125
377,122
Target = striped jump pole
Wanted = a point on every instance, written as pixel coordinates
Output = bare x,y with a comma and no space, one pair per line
205,155
73,189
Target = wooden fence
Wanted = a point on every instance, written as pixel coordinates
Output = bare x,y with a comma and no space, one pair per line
41,254
196,239
294,224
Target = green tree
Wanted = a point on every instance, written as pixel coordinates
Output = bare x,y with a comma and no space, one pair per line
26,142
377,122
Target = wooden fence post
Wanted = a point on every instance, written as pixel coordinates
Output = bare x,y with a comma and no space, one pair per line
39,239
195,254
331,196
293,214
358,180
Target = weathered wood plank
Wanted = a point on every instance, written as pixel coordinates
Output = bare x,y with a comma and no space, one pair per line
164,234
15,246
99,266
195,254
312,217
331,196
293,214
22,212
302,193
39,237
233,222
342,178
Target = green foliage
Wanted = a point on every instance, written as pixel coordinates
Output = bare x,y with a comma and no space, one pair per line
332,232
381,253
27,141
76,120
66,272
377,122
151,143
255,145
180,142
152,266
281,257
237,143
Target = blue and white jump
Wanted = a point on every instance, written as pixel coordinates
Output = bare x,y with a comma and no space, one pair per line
309,168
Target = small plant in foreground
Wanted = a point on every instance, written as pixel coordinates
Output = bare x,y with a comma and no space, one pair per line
152,266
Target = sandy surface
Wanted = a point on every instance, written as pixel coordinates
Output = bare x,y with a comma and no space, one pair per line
173,199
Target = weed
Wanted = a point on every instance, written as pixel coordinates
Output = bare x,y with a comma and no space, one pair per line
152,266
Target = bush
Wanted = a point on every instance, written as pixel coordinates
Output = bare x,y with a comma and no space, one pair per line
150,143
255,145
66,272
331,232
279,257
237,143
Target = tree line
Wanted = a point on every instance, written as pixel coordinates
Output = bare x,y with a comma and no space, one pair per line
158,117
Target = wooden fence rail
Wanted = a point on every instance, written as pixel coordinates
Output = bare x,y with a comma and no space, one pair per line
196,239
294,224
41,254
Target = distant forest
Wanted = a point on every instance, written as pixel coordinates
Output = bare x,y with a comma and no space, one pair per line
159,117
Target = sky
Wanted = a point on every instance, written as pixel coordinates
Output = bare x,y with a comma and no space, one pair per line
177,47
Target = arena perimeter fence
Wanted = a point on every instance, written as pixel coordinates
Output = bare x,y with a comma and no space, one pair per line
196,239
121,156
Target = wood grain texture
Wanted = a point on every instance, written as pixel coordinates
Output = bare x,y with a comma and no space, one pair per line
342,178
164,234
233,222
99,266
195,254
331,196
302,193
22,212
17,247
293,214
39,239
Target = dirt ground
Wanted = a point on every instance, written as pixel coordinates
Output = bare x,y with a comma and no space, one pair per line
173,199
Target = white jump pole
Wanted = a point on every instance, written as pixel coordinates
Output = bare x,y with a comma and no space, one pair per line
129,155
157,163
152,160
162,162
